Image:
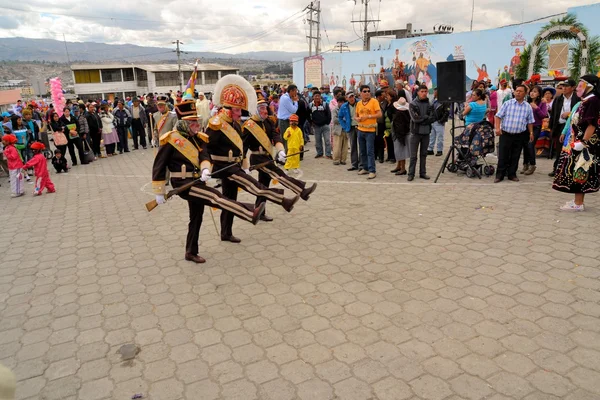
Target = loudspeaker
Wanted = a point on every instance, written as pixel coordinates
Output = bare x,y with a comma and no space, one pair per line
452,81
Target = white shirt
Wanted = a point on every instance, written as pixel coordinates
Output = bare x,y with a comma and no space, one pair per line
502,93
565,108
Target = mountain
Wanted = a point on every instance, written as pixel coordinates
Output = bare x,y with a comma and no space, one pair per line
24,49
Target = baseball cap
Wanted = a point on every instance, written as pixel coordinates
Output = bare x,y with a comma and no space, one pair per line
570,82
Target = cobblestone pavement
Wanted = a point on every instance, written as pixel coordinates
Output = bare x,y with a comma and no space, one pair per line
384,289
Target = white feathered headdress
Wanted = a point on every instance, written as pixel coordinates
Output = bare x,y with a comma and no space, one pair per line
235,91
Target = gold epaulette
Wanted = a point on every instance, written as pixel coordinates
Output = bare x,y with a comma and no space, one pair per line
164,138
202,136
215,123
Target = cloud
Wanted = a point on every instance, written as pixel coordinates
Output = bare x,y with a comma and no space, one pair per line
240,26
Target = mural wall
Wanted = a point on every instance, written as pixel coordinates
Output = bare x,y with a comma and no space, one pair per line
492,54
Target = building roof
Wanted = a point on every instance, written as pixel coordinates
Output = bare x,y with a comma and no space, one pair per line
155,67
9,96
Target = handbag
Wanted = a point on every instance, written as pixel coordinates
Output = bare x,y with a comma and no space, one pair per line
88,154
59,138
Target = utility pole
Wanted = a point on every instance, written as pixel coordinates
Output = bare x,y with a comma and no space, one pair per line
177,42
472,12
341,47
365,21
314,7
66,49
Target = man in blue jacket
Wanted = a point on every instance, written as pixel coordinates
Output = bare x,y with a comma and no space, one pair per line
349,124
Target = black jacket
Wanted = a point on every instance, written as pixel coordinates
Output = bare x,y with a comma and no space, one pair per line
320,115
557,110
421,116
94,123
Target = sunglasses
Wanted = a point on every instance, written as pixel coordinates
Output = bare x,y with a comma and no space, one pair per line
366,91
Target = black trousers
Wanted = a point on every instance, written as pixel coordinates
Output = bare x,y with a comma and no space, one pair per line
235,178
96,138
272,171
380,142
557,146
199,196
123,144
74,143
509,152
137,130
390,148
529,147
418,146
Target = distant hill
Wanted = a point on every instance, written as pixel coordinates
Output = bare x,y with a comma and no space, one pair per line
23,49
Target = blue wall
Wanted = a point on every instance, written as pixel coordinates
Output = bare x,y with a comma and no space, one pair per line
488,53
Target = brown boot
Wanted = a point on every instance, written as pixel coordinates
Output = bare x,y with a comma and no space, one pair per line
531,170
401,168
288,203
258,212
194,258
307,192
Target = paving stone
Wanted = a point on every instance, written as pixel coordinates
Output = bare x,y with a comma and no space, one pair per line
431,388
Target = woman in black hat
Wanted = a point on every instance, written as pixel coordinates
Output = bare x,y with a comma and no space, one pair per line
578,169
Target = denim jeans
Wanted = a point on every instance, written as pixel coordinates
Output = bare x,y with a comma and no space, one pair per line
283,124
437,134
353,144
366,145
322,134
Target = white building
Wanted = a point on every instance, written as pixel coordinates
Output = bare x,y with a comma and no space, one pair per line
107,81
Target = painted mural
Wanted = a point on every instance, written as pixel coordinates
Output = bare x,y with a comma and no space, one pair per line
490,54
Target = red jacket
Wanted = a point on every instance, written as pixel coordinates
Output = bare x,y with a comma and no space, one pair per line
39,164
13,157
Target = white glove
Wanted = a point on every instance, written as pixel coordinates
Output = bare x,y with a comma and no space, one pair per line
205,175
247,170
160,199
281,157
578,146
154,143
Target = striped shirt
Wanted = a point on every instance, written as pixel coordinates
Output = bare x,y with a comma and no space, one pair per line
515,116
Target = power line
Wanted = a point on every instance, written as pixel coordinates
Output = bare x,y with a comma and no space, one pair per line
195,24
312,10
340,47
366,24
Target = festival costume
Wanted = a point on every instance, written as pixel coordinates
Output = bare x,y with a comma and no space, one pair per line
163,123
260,137
578,171
15,166
226,147
185,156
40,168
295,141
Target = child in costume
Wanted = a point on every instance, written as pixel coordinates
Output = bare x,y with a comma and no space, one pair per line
59,162
15,165
40,168
295,142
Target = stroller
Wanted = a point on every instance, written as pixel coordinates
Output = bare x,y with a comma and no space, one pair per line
472,146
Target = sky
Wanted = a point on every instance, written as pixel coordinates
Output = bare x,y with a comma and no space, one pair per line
238,26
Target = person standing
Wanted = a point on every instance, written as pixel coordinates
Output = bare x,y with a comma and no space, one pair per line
138,124
367,113
400,116
340,139
320,117
288,105
514,125
349,124
71,125
561,109
164,120
503,94
380,137
441,112
421,118
578,168
203,109
540,111
123,118
150,108
95,127
109,133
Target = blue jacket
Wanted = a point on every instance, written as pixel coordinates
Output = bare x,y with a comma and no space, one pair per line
345,117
